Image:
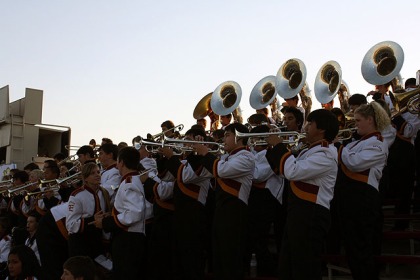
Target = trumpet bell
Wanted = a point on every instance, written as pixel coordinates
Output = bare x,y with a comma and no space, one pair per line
290,78
226,98
382,63
263,93
327,82
203,108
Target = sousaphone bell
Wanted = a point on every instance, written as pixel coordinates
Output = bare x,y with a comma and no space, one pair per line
203,108
327,82
226,98
290,78
382,63
263,93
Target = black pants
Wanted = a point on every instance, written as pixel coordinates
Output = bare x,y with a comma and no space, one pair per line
264,211
128,255
306,228
229,239
361,227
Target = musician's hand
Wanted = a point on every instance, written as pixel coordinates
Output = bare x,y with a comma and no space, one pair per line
273,140
99,216
199,138
166,152
200,149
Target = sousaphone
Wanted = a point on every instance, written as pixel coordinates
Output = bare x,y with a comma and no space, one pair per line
382,63
327,82
203,108
226,98
263,93
290,78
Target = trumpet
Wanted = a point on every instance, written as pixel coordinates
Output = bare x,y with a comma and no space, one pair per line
293,137
60,181
161,134
6,182
38,194
220,146
153,147
16,189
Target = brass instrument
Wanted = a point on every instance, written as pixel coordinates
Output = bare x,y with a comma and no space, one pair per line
293,137
327,82
345,134
290,78
203,109
22,187
38,194
306,99
343,96
382,63
226,98
263,93
183,148
60,181
407,102
162,134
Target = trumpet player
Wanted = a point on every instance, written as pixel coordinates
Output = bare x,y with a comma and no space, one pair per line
110,176
234,178
20,178
266,207
127,221
84,203
190,196
28,203
312,175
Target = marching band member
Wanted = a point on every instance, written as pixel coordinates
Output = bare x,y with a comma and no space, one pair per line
383,92
265,208
86,154
49,199
293,119
190,195
312,176
32,227
293,102
361,165
16,216
234,178
110,176
225,120
160,190
27,205
84,203
127,222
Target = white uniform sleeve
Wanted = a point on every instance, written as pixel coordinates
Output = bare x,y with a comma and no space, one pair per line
316,165
364,159
74,215
133,205
235,167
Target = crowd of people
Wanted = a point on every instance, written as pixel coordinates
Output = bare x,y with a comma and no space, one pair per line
207,204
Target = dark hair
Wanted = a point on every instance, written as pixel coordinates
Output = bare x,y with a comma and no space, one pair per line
110,149
338,112
168,124
265,110
296,113
357,99
196,132
410,82
233,127
59,156
229,116
22,176
35,214
52,165
106,141
130,157
31,166
92,142
218,133
197,126
86,149
121,145
30,264
137,139
325,120
81,266
296,97
260,129
87,169
202,120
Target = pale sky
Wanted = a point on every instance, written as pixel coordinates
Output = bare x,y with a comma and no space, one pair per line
118,69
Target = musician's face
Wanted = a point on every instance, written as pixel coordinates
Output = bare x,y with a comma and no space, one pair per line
364,125
290,122
31,224
229,141
67,275
313,133
224,120
48,174
94,177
